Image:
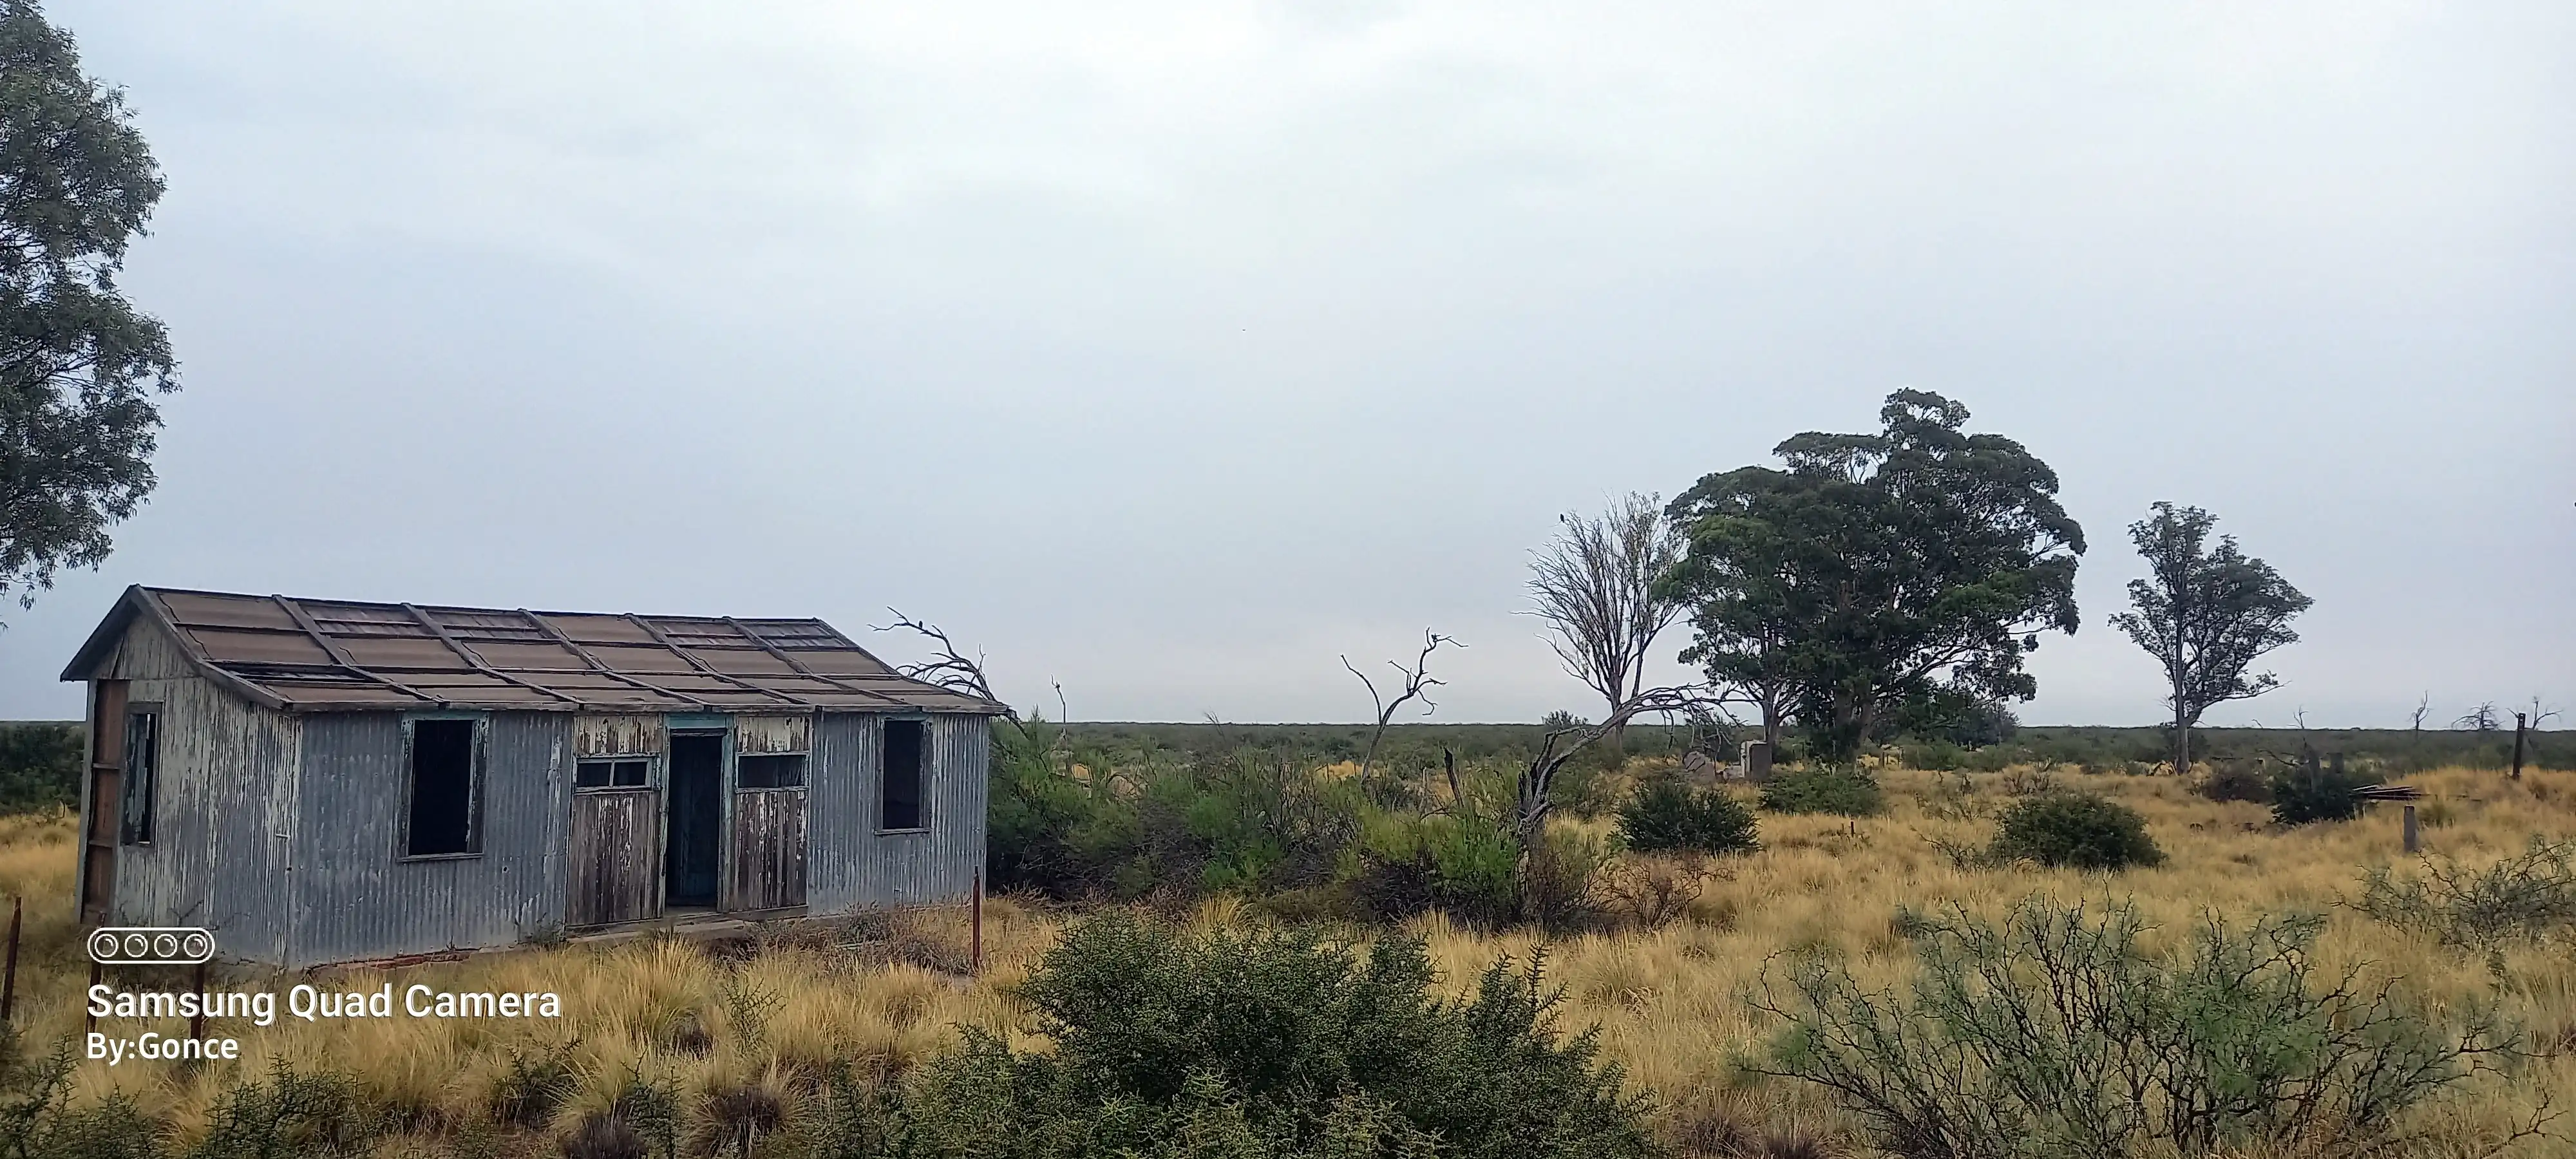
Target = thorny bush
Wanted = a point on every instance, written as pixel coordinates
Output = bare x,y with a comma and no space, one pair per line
1666,816
1168,1041
2056,1035
2073,831
1846,792
2524,898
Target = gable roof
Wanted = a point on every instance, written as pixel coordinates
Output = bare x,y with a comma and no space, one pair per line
300,655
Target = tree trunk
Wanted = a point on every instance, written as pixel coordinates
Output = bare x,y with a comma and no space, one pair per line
2182,736
1618,737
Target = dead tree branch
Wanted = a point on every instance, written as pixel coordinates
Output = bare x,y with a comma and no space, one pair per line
1417,683
1560,745
947,667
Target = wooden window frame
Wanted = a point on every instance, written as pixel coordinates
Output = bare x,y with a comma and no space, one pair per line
652,772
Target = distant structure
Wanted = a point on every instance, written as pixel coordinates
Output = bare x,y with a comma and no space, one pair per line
1753,763
329,781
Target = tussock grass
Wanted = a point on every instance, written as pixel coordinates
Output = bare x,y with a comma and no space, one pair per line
735,1031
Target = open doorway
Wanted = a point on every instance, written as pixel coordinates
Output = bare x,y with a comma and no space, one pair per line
695,822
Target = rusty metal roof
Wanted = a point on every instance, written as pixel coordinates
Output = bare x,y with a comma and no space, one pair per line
302,655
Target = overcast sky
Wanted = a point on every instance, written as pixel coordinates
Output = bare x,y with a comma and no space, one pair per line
1169,352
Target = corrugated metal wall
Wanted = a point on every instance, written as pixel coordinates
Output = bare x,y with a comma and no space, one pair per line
850,864
267,820
226,770
355,897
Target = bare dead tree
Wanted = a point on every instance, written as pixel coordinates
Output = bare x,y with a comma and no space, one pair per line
1594,584
1560,745
1417,681
2423,704
2539,715
947,667
951,668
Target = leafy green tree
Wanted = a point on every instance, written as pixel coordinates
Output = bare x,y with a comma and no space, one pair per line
1876,568
78,363
2206,614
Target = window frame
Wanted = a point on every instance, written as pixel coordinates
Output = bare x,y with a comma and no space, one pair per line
147,787
476,771
652,763
921,775
804,771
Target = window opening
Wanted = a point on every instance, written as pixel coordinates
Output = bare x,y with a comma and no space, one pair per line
443,788
905,746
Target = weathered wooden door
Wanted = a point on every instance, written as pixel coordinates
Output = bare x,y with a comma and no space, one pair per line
106,800
616,863
768,834
768,848
616,858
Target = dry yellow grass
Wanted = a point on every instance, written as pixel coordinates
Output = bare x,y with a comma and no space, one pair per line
1671,1004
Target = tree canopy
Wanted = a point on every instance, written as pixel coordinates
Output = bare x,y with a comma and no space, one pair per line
79,365
2206,614
1872,569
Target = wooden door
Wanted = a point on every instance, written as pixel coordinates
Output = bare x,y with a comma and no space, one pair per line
616,856
768,849
106,799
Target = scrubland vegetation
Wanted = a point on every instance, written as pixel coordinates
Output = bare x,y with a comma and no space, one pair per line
1244,954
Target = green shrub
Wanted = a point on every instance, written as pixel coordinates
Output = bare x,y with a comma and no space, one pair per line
2309,792
1168,1042
2074,830
2520,899
38,1119
293,1115
2057,1034
39,766
1666,815
1462,865
1847,792
2233,780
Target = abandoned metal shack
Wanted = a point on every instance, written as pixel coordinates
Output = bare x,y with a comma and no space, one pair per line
329,781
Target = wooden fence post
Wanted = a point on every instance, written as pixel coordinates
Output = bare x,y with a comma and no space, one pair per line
2521,725
979,923
2413,843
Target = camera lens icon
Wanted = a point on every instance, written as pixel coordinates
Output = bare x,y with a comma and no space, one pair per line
151,946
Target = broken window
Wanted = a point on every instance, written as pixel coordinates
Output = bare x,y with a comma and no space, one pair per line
770,771
444,788
621,773
905,746
142,766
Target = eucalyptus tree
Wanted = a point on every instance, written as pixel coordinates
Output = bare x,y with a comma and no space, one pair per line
1873,568
2206,613
79,365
